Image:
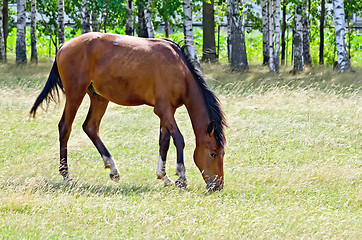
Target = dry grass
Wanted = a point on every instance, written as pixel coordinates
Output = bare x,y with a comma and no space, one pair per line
293,165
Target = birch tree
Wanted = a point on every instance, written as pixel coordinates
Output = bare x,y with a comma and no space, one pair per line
265,26
2,37
142,28
20,32
85,22
271,36
277,35
148,20
34,48
340,30
189,34
236,39
298,39
274,35
307,58
61,22
129,23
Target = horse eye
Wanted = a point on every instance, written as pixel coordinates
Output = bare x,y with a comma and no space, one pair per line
213,155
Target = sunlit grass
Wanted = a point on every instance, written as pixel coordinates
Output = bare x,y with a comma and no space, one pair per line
293,164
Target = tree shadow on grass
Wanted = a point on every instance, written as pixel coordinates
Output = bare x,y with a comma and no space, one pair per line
52,186
83,188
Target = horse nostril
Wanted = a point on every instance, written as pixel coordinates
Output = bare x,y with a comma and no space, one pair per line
214,185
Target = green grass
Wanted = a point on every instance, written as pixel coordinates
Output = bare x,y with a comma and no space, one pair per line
293,164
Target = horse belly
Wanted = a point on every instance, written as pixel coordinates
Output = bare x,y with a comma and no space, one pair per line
126,92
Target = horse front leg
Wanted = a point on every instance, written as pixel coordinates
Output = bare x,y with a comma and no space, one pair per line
166,115
164,143
178,140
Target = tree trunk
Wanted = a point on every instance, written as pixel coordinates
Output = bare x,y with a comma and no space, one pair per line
349,35
85,22
298,40
5,12
307,58
339,25
148,20
265,26
129,23
284,27
105,20
208,36
142,28
61,22
34,49
321,32
95,24
2,37
237,49
20,32
277,36
188,32
271,36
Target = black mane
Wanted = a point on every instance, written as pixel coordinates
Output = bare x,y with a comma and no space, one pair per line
216,114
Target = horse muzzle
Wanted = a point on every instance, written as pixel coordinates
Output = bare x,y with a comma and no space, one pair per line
214,184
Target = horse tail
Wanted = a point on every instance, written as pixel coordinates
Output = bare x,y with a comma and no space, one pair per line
50,90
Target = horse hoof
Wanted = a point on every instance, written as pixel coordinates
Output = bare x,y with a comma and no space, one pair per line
67,179
167,181
181,183
114,177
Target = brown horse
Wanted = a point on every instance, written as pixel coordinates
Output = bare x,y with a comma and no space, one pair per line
134,71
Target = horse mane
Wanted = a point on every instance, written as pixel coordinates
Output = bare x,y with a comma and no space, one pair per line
216,114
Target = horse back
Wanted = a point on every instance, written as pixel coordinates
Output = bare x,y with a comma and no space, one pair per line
123,69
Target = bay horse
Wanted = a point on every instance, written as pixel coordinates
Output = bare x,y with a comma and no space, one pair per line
134,71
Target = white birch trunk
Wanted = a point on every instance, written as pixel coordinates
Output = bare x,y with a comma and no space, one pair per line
340,29
2,37
271,36
148,19
298,40
265,26
34,49
237,48
189,34
277,36
307,58
85,22
20,32
129,23
61,22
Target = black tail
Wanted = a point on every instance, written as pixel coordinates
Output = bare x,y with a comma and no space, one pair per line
50,91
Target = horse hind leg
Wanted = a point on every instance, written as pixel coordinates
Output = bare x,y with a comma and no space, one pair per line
164,143
96,111
65,128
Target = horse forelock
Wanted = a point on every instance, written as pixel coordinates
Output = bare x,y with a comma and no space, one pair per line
216,114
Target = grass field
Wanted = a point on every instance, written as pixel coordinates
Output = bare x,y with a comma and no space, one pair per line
293,164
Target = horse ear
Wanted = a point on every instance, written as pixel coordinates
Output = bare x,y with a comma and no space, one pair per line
211,128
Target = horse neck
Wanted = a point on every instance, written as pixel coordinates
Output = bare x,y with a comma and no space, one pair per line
197,108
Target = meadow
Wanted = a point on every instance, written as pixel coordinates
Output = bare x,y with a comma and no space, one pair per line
293,163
